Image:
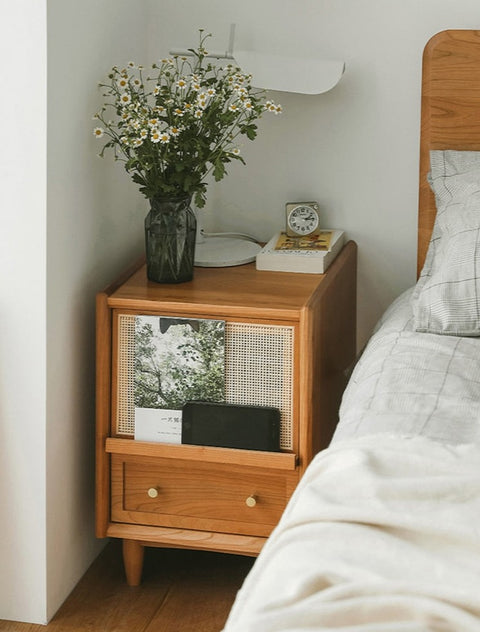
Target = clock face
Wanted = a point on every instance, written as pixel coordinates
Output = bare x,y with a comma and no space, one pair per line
302,219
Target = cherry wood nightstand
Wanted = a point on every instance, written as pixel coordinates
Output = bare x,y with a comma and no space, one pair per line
291,335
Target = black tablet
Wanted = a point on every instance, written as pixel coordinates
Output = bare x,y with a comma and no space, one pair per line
231,426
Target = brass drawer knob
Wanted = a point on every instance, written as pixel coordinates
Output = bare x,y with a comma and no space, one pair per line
251,501
152,492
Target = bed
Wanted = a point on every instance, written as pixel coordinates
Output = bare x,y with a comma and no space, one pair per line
383,531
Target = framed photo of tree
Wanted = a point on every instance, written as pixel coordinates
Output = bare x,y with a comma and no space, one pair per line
176,360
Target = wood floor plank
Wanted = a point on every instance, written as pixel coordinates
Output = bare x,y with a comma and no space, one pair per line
187,591
201,596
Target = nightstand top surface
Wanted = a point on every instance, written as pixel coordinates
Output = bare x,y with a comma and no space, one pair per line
239,287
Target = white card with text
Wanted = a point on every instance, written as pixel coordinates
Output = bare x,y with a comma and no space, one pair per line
158,424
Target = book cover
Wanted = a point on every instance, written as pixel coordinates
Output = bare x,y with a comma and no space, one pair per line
281,255
176,360
319,241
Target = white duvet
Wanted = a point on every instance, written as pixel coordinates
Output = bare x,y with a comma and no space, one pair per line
383,532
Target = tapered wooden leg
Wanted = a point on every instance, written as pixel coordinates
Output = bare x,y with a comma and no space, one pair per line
133,561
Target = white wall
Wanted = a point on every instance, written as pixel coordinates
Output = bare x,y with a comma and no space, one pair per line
22,308
94,230
354,149
53,261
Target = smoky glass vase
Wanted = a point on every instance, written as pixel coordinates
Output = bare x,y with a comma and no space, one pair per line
170,229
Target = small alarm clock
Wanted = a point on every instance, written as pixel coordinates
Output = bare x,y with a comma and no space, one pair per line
302,218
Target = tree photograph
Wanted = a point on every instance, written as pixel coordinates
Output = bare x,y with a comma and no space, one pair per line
178,360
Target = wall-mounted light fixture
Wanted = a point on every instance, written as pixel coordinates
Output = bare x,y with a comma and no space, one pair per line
279,72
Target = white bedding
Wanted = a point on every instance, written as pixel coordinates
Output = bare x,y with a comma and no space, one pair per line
383,532
412,383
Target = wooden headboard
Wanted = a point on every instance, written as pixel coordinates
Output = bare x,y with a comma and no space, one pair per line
450,116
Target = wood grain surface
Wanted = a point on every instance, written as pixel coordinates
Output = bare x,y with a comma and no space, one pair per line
187,591
450,117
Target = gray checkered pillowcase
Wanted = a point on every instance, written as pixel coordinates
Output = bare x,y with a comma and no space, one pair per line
446,298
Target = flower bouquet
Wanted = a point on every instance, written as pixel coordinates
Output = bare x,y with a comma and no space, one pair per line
174,127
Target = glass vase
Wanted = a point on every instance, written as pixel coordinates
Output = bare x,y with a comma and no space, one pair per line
170,228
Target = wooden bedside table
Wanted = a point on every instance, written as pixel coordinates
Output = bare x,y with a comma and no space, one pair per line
298,331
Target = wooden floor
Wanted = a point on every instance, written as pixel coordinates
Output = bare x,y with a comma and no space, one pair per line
182,591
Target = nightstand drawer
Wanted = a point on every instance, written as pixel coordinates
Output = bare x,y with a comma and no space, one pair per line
196,495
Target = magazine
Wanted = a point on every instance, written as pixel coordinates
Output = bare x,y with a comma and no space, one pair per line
176,360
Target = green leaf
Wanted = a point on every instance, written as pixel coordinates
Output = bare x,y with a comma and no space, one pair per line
236,157
137,178
219,170
199,199
251,131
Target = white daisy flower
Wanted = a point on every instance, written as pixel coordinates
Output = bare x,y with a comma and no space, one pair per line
155,136
125,98
122,82
233,107
153,122
98,132
181,83
174,131
202,100
236,151
164,138
156,91
196,86
211,92
247,105
178,112
198,114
